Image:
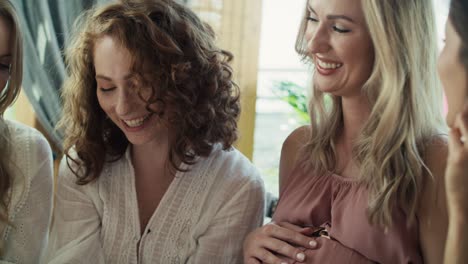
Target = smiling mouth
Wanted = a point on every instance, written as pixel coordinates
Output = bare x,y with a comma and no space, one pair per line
327,65
132,123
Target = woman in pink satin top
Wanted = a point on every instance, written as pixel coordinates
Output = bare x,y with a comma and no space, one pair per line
364,182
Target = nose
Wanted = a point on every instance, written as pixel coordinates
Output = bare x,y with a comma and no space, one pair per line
318,39
125,103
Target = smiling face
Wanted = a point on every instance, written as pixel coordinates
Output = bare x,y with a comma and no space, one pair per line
5,51
452,73
117,93
339,44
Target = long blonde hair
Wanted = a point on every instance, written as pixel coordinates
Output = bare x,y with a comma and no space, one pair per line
7,97
406,108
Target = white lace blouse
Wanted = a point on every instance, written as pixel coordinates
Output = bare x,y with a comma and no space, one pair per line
203,217
30,206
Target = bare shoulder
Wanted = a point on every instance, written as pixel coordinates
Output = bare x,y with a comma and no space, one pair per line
290,150
436,155
432,212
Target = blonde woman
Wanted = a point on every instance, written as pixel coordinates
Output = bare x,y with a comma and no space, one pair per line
364,182
453,72
25,160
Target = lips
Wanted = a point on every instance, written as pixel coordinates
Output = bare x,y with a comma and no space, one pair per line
327,67
136,122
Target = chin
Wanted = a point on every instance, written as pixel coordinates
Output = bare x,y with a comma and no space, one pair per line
330,91
325,88
137,141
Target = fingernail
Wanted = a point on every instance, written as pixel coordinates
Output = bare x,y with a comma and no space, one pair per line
300,256
313,243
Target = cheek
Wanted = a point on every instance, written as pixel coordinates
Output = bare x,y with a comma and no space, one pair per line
308,35
443,67
146,94
367,63
104,103
455,93
359,60
453,79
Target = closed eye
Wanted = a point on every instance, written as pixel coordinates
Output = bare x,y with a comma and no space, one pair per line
341,30
107,89
312,19
4,66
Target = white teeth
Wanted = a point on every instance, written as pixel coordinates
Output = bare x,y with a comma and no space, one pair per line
136,122
326,65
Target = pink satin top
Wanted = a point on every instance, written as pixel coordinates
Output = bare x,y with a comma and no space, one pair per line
339,204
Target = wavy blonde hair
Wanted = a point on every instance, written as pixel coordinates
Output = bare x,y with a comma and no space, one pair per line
7,97
404,93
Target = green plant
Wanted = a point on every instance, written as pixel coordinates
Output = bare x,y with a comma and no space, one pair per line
295,96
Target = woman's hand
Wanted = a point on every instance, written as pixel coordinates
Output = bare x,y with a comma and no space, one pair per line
265,243
457,166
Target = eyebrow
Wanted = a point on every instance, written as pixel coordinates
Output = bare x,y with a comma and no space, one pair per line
334,17
126,77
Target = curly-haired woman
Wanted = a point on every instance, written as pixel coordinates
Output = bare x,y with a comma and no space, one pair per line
150,174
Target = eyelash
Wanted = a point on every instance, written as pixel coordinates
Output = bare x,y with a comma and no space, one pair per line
5,66
106,90
343,31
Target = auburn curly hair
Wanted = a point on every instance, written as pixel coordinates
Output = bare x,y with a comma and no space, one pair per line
174,53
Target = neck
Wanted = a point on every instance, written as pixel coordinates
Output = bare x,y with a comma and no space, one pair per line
356,111
153,155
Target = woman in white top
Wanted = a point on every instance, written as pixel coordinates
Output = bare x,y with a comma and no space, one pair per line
150,174
25,160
